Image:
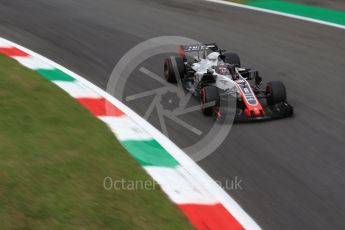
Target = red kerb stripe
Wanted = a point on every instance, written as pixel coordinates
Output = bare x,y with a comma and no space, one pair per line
12,51
206,217
100,107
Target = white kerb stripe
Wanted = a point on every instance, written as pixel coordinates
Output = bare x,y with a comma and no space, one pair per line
180,186
33,63
4,44
125,129
77,89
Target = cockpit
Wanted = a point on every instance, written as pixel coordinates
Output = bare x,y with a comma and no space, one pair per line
222,70
226,70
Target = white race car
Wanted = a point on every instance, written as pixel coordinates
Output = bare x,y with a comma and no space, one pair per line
216,77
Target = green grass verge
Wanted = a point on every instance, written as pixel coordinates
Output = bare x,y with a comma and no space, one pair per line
54,156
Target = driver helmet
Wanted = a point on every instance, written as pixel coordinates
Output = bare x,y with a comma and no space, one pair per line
212,58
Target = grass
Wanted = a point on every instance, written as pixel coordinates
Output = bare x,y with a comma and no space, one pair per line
54,156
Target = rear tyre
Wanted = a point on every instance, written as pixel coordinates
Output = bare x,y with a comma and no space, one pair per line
232,58
276,92
171,73
209,94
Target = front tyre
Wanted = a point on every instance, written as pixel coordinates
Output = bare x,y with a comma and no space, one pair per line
276,92
233,59
171,73
209,99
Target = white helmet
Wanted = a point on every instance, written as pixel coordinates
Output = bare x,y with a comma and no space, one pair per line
212,58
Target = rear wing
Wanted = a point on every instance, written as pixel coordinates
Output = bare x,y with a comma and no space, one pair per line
197,51
200,47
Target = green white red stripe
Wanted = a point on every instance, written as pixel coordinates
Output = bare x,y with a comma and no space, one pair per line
305,12
205,204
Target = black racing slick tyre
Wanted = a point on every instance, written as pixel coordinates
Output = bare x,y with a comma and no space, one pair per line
276,92
209,99
232,58
171,73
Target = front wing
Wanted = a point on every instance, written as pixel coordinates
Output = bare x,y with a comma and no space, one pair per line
280,110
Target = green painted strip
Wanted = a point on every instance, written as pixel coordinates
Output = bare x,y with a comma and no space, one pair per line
150,153
55,75
314,12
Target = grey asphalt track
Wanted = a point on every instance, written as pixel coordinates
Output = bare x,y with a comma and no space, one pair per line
293,170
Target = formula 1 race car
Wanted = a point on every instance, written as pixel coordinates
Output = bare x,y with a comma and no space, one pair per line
216,76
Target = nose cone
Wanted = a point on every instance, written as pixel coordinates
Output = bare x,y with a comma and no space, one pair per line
254,112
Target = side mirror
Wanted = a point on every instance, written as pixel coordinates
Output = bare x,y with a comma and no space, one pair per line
254,74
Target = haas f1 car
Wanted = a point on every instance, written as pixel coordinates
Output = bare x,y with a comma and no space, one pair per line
216,76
